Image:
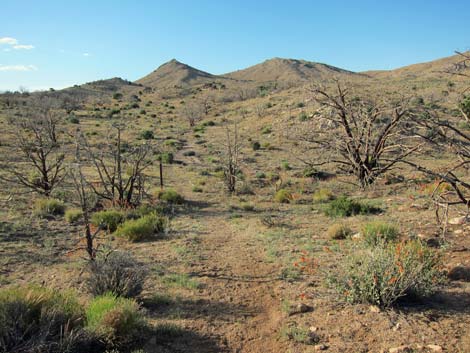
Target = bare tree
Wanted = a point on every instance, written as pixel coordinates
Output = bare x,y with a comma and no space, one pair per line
449,135
231,159
193,113
361,137
84,198
37,140
120,168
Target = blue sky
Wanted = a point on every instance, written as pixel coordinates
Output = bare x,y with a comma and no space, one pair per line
56,44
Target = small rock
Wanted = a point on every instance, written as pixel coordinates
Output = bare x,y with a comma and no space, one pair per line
313,329
374,309
356,236
401,349
299,308
458,231
320,347
459,220
434,347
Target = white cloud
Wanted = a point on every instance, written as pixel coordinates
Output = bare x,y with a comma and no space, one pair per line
8,40
86,54
7,49
23,46
18,68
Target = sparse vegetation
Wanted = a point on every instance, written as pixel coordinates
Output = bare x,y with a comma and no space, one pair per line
108,219
339,231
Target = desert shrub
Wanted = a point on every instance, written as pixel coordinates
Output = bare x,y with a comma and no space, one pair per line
245,189
73,215
109,219
380,275
147,135
346,207
266,130
197,189
323,195
376,232
37,319
285,165
170,196
303,116
74,120
339,231
117,273
167,157
255,145
189,153
142,228
117,321
248,207
48,207
283,196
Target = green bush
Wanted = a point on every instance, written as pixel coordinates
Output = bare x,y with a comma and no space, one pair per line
147,135
117,273
117,321
48,207
376,232
266,130
73,215
170,196
167,157
382,274
339,231
109,219
255,145
260,175
37,319
323,195
283,196
142,228
346,207
285,165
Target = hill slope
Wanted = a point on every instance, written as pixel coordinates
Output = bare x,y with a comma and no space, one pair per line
175,73
288,70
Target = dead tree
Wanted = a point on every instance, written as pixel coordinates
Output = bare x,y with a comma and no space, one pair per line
448,135
37,140
193,113
230,159
84,198
120,168
360,137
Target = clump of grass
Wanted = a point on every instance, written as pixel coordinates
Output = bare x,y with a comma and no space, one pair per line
382,274
73,215
248,207
323,195
255,145
142,228
166,157
117,321
181,280
167,331
197,189
36,319
108,219
299,335
283,196
376,232
339,231
170,196
48,207
343,206
285,165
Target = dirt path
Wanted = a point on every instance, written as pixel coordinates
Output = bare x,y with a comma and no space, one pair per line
238,307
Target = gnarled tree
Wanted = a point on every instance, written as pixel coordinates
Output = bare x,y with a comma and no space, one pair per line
120,168
37,141
361,137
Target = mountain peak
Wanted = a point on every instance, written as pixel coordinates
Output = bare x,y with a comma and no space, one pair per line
174,73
